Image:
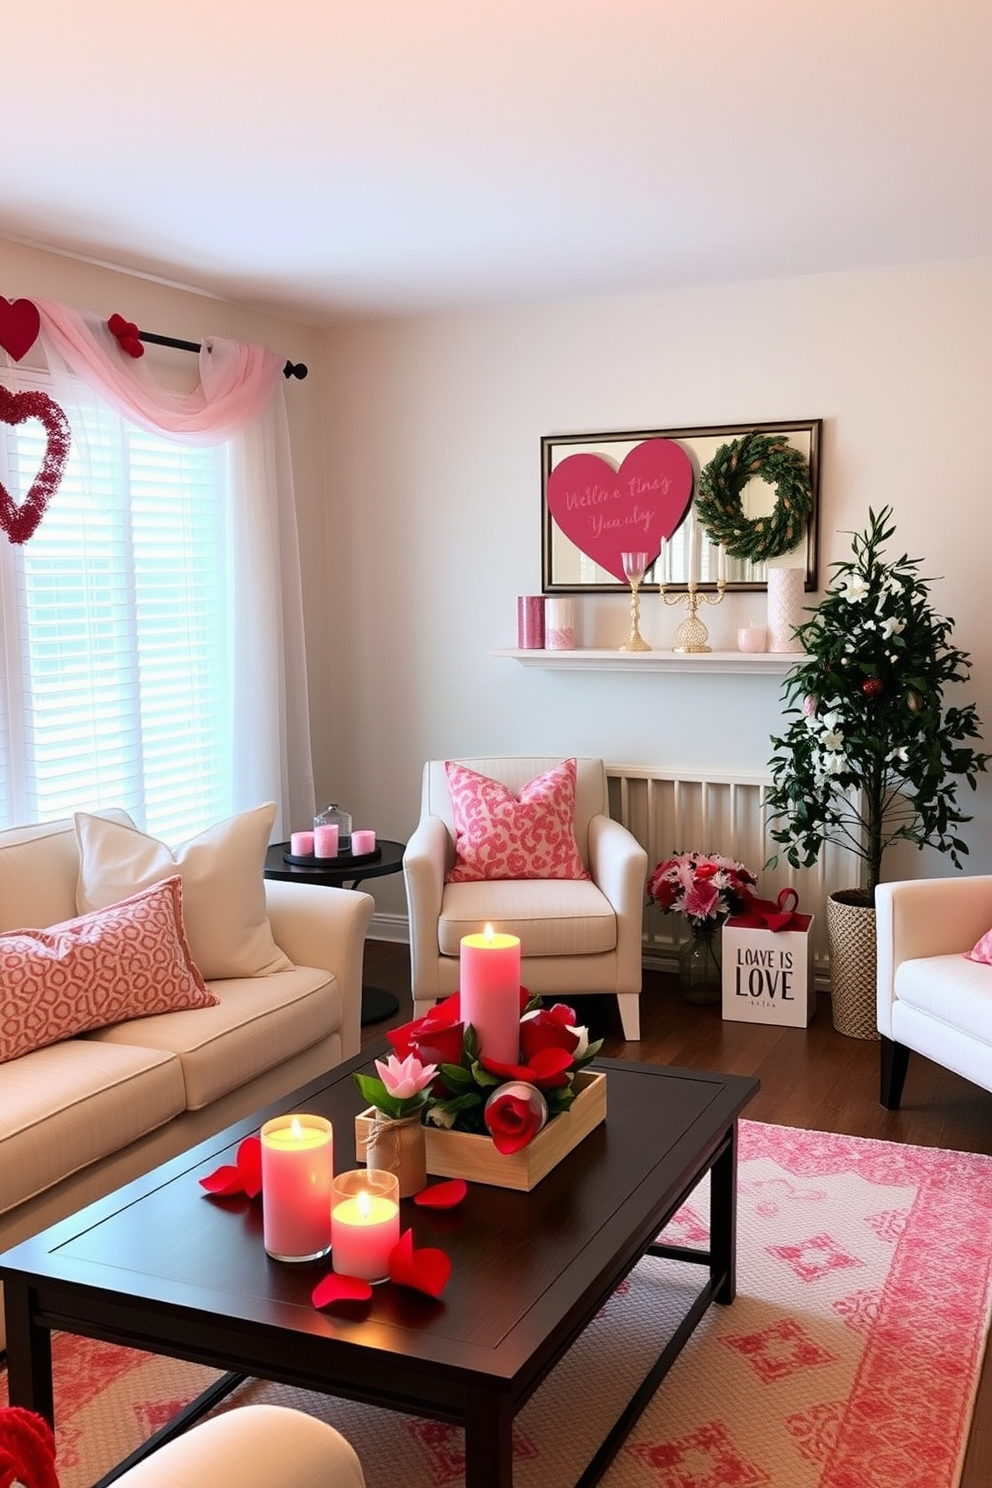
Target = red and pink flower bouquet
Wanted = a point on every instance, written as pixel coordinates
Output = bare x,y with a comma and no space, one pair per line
702,886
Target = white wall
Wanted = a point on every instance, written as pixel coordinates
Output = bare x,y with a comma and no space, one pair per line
434,431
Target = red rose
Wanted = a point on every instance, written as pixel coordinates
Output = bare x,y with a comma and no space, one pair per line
548,1028
706,870
548,1069
514,1115
436,1038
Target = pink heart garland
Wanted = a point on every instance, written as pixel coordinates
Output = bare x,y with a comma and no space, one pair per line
19,326
243,1176
20,522
337,1290
442,1195
606,511
424,1270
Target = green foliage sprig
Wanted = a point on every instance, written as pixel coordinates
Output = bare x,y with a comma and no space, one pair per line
872,755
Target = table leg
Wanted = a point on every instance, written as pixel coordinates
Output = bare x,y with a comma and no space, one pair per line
723,1221
488,1439
29,1354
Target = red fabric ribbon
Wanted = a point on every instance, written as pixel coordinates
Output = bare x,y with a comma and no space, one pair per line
773,914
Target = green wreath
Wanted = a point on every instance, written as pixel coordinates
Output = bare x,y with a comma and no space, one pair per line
718,503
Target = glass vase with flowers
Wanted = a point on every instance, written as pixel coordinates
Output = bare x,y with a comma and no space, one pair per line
705,888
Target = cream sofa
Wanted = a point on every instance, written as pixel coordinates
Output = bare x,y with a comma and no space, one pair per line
80,1117
931,999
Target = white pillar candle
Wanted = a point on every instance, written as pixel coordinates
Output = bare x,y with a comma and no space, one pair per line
489,987
559,625
297,1167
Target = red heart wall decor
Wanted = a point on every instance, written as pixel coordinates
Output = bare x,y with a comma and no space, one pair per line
606,511
19,326
20,522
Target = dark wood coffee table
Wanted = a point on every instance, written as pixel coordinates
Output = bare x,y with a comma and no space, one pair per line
159,1266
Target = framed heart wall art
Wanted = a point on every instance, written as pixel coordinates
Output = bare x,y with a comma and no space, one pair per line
603,494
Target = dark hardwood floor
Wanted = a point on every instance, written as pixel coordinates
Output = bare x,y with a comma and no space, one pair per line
810,1077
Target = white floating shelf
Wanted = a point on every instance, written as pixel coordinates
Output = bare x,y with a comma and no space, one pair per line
753,663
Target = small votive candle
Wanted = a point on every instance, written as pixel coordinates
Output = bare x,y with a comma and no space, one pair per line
362,842
297,1168
751,638
365,1222
325,840
301,844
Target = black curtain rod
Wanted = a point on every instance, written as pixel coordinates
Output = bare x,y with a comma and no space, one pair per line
291,369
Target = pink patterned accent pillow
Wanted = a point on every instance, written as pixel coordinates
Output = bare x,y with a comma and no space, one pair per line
982,950
500,835
126,961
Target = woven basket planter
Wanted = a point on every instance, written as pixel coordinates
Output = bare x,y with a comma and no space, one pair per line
851,934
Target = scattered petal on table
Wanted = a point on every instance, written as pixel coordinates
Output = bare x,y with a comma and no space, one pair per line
250,1165
424,1270
340,1289
224,1182
442,1195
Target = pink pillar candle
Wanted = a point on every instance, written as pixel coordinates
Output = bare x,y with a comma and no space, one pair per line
365,1223
301,844
325,841
362,842
297,1168
489,984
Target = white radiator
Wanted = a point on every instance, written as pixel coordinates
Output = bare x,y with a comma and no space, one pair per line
671,812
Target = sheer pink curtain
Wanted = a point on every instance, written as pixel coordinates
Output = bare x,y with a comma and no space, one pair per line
237,402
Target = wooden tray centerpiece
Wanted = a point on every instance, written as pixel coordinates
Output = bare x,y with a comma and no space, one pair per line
468,1155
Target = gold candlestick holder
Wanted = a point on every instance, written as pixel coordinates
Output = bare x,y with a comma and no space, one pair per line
635,566
692,635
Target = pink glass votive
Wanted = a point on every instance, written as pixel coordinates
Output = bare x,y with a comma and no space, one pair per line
362,842
301,844
751,638
325,840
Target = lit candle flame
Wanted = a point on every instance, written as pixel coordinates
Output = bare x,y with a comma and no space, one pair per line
488,933
362,1200
296,1130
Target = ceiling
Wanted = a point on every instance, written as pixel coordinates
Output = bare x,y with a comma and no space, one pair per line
323,159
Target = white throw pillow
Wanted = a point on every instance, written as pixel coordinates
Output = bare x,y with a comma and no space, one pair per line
223,889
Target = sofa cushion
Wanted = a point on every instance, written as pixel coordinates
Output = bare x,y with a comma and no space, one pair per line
502,835
551,917
71,1104
223,887
952,988
126,961
258,1022
39,867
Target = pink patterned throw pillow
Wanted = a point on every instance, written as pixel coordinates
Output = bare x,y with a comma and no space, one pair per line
501,835
982,950
126,961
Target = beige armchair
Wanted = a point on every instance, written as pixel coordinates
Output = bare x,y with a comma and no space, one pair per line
577,936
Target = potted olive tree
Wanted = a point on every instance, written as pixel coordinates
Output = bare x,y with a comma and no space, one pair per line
872,755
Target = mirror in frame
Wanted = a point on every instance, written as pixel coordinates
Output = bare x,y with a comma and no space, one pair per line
566,569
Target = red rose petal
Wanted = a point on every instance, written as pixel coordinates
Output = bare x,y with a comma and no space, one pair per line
224,1182
442,1195
250,1165
424,1270
340,1289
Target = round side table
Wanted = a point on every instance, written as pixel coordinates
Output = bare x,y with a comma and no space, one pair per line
332,873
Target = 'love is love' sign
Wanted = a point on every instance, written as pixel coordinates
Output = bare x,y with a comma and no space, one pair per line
607,510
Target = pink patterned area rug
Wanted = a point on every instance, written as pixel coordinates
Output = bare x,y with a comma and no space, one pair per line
849,1360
